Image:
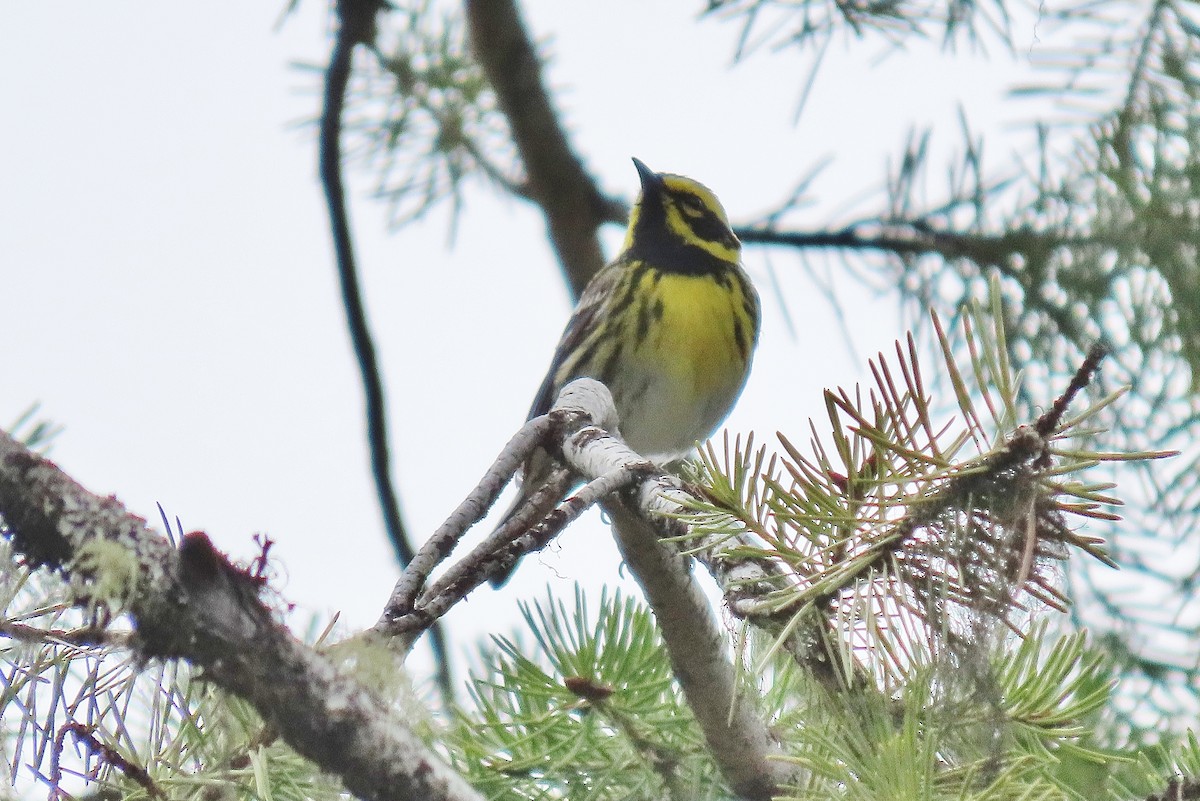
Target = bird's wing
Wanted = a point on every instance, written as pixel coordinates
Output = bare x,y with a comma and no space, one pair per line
596,297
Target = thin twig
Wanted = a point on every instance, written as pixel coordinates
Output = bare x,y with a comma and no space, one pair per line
79,638
357,26
917,238
1048,422
86,736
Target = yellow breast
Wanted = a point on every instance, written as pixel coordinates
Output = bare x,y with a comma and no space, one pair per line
695,337
692,361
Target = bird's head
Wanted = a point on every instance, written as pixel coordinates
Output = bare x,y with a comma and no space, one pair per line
678,223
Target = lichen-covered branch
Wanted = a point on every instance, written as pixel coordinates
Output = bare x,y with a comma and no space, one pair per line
737,736
416,604
192,604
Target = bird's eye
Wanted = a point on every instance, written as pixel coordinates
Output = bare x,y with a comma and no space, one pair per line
692,206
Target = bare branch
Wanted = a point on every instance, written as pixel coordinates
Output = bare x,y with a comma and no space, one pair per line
357,19
737,738
572,203
918,238
496,554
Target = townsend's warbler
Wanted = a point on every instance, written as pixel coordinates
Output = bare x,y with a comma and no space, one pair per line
669,327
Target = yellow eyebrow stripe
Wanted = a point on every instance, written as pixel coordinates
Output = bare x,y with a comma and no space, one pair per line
679,226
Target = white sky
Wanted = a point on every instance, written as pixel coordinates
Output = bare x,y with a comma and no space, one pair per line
169,295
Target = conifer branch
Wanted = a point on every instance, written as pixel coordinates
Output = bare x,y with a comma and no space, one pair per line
891,530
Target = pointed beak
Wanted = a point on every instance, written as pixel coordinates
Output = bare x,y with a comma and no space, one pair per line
652,182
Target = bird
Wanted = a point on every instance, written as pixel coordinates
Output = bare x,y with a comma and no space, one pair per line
669,326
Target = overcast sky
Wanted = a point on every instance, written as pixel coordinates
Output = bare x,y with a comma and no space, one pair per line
169,294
